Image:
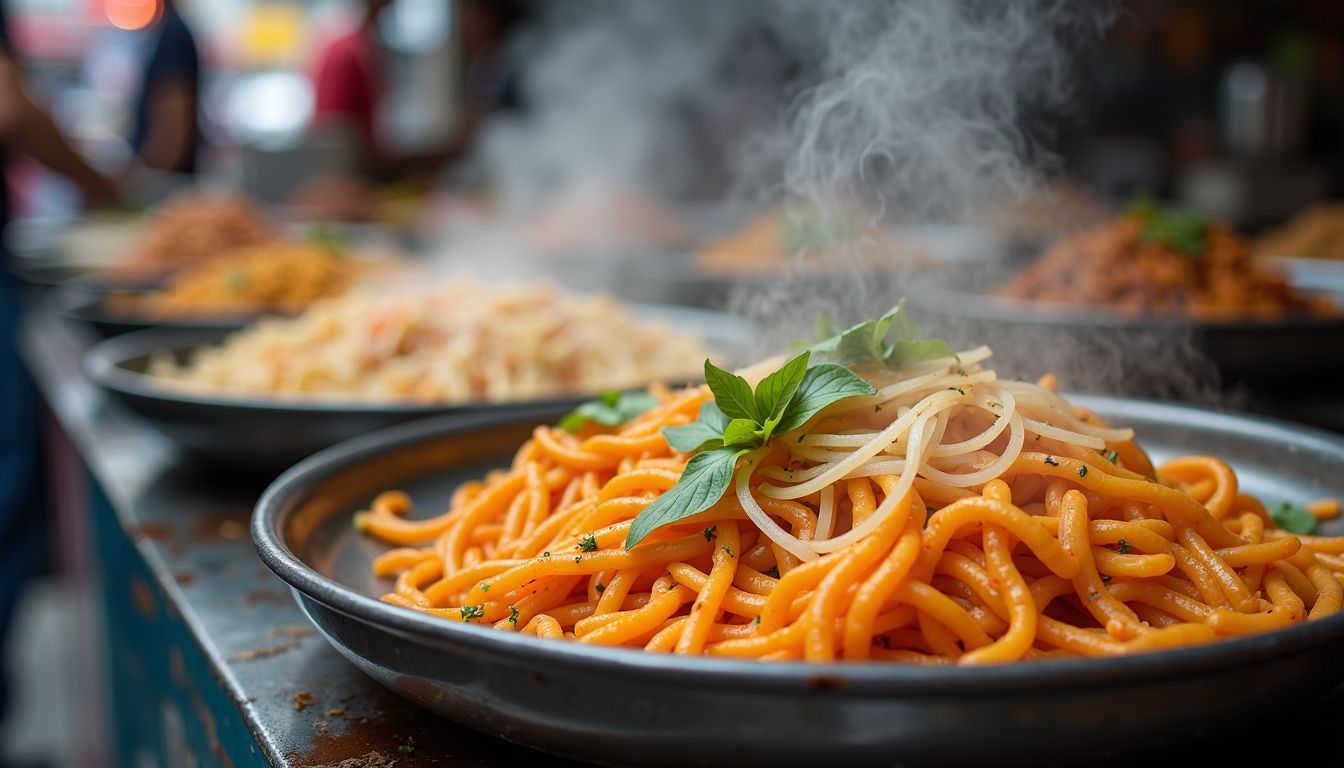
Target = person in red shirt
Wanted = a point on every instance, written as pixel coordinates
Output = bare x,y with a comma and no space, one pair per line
349,80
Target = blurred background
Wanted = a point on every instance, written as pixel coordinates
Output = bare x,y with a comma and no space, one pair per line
651,150
1233,108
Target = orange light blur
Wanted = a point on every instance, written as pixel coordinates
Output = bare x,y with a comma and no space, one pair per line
132,14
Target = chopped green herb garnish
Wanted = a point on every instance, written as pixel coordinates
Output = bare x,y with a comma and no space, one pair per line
599,587
1105,579
513,615
408,748
472,612
773,572
547,553
237,280
610,410
756,620
1051,461
578,558
1082,471
1124,547
1185,232
729,550
588,543
710,532
1113,456
958,389
1093,595
485,586
1293,518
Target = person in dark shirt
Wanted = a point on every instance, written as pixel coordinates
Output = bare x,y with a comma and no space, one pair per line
166,132
27,129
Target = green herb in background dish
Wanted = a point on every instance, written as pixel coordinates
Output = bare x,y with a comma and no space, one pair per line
1182,231
610,410
738,420
236,280
330,238
1294,518
868,342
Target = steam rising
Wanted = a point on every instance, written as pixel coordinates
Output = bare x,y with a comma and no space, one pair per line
899,111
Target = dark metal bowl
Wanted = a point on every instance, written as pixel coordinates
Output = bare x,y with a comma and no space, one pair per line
627,707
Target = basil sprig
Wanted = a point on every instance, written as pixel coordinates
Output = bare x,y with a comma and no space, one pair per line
868,344
1293,518
740,419
610,410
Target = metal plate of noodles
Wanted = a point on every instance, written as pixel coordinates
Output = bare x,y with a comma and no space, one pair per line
270,433
627,707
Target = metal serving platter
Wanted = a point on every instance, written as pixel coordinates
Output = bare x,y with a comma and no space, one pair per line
270,434
626,707
1259,354
75,302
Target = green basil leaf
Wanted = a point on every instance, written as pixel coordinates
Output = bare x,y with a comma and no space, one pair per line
700,435
901,322
611,409
905,353
731,392
776,390
825,328
743,433
704,481
824,384
1293,518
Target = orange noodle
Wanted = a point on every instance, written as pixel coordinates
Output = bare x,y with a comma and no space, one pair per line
951,517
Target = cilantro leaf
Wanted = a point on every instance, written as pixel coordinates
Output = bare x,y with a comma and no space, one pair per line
1294,518
704,481
700,434
610,410
822,385
731,392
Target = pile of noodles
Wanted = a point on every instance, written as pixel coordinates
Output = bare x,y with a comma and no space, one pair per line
952,517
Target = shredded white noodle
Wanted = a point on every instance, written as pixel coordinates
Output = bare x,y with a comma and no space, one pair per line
921,399
459,342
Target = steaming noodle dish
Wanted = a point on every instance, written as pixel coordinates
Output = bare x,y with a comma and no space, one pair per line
877,497
455,343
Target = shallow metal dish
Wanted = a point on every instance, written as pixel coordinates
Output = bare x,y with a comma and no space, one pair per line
270,434
1264,355
625,707
75,302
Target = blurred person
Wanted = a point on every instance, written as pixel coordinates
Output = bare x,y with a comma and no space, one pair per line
351,80
27,129
166,132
